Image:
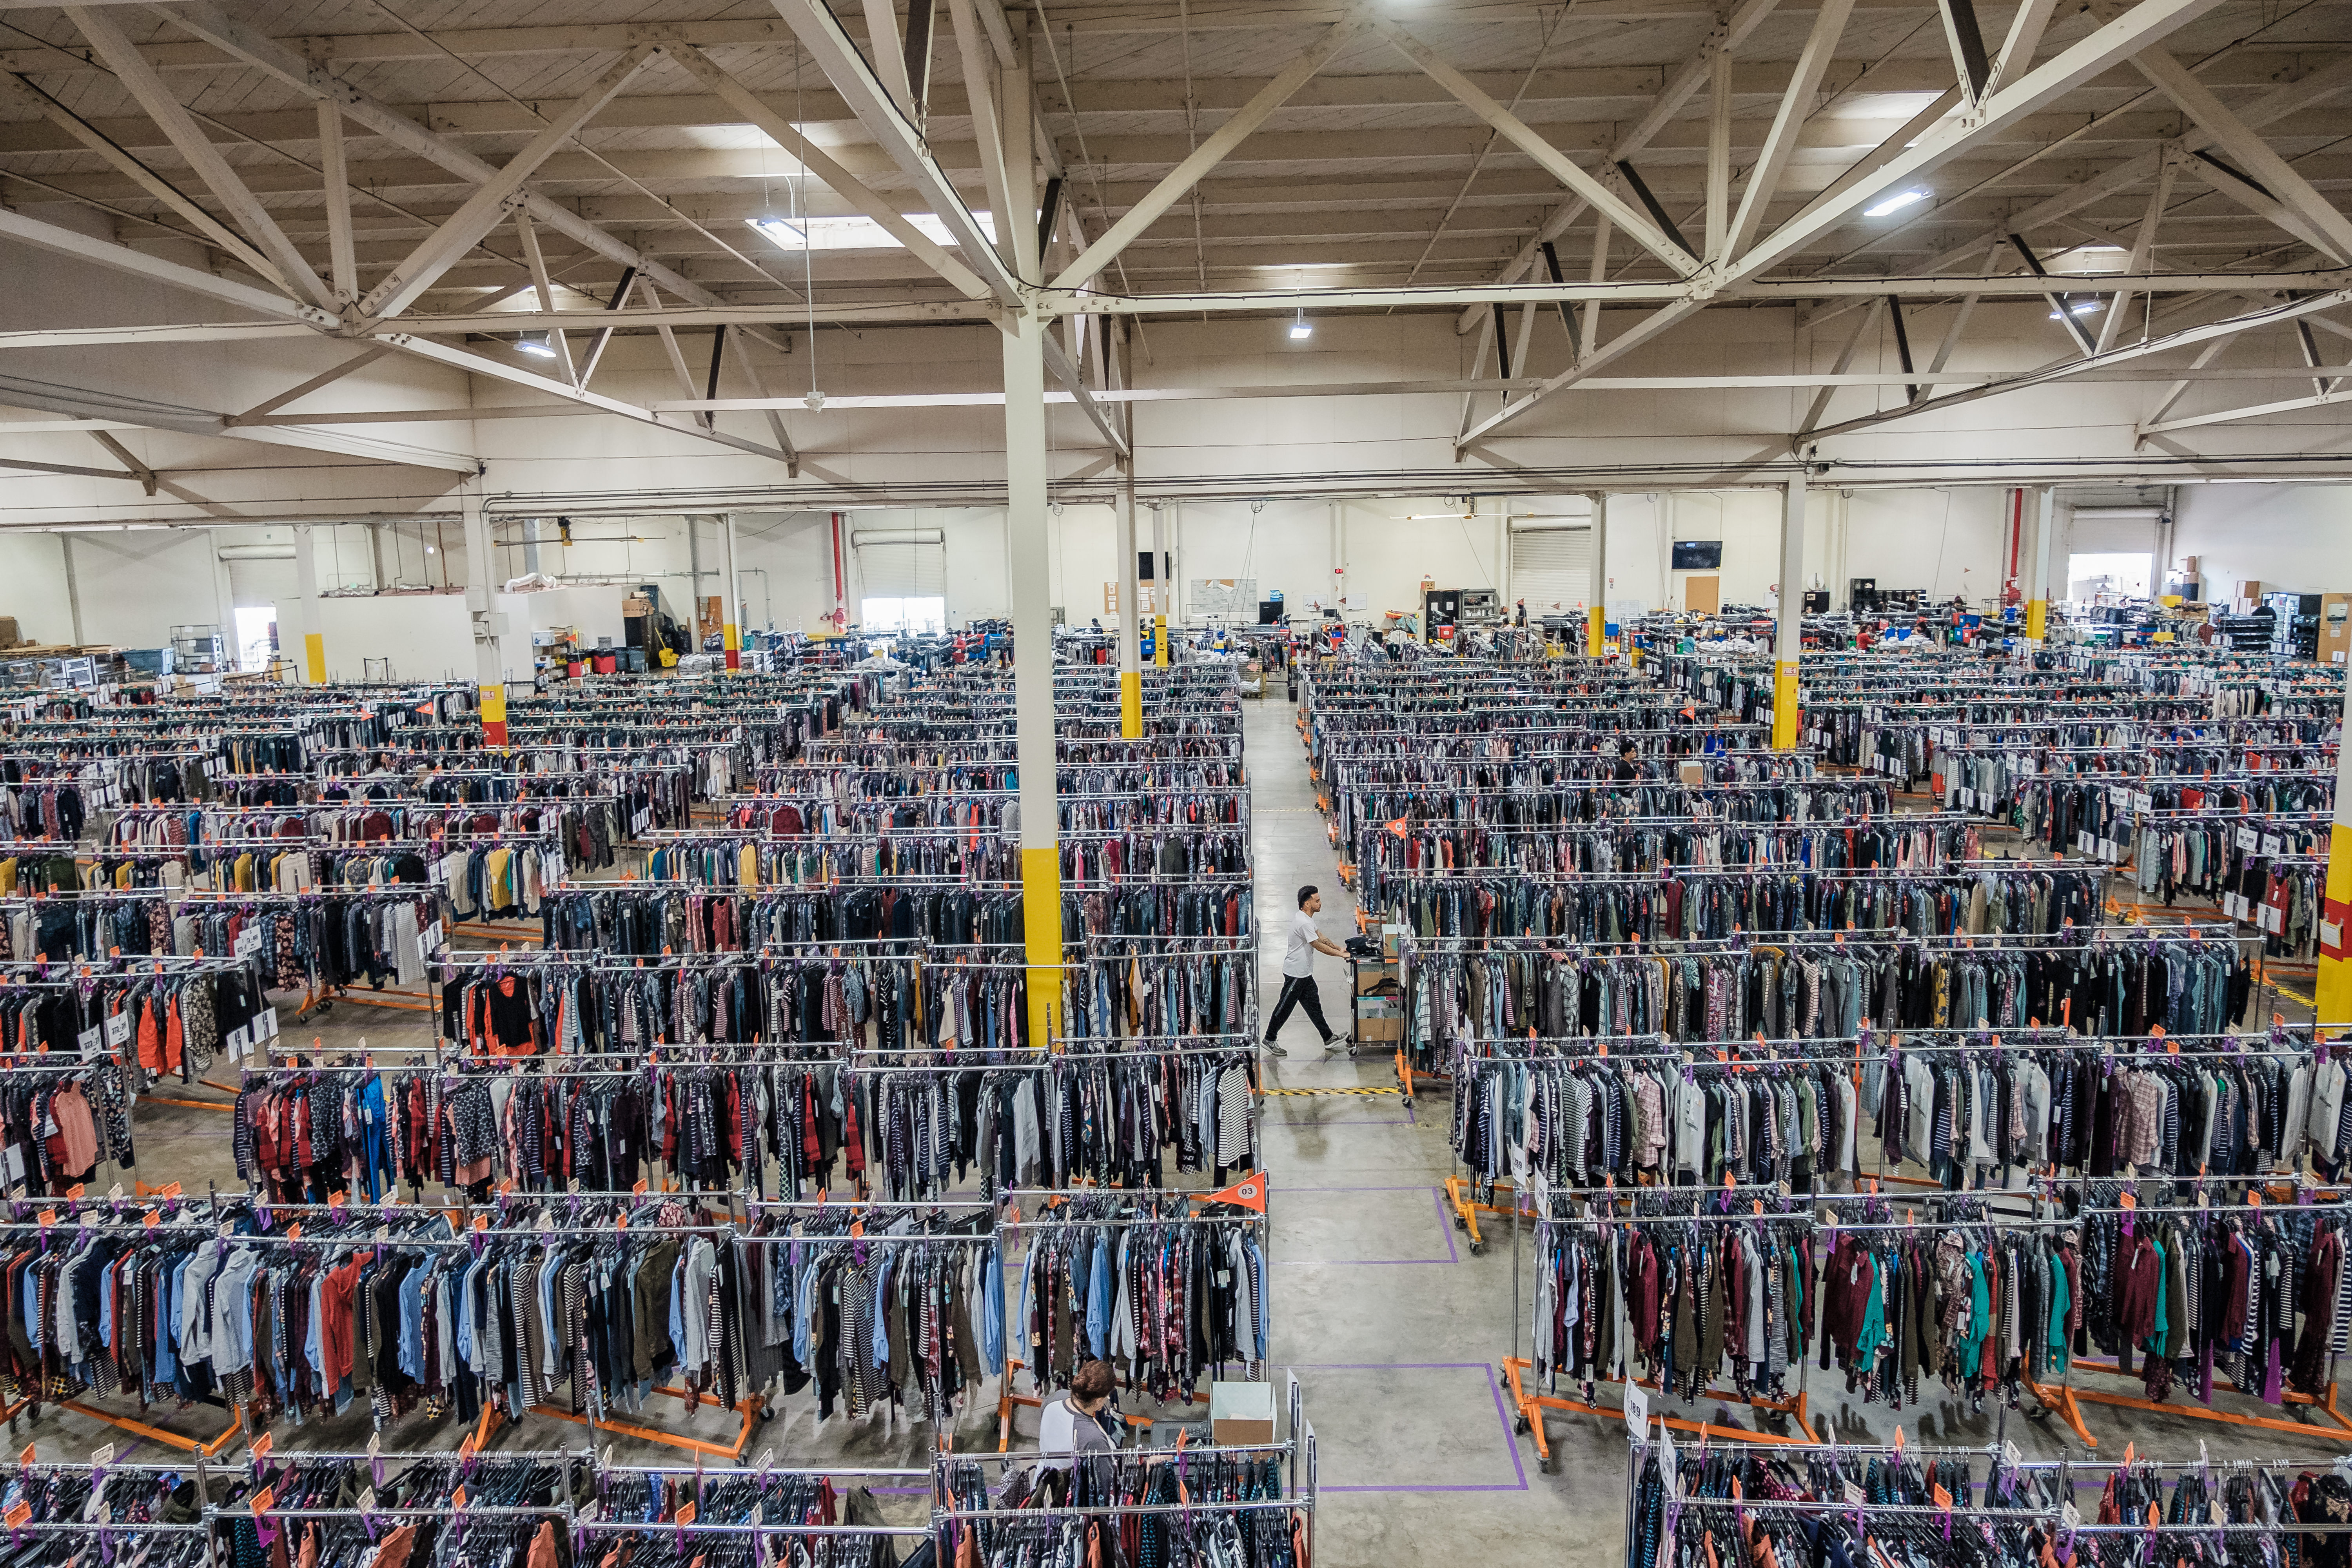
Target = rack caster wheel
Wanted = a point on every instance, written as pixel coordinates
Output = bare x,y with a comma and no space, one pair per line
1461,1224
1477,1248
1548,1466
767,1413
1520,1424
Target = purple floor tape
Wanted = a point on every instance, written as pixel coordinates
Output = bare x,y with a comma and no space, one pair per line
1502,1415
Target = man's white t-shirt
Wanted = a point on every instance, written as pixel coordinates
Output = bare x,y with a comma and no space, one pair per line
1298,958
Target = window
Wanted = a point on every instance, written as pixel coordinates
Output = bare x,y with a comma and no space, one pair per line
2111,576
257,635
918,615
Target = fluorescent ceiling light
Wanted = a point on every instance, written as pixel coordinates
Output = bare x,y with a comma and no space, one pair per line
1895,203
1301,329
2087,307
852,231
536,347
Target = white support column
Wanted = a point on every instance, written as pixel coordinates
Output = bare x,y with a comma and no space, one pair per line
73,589
2333,993
1596,611
1025,522
1788,636
2037,591
313,663
1130,649
481,572
730,625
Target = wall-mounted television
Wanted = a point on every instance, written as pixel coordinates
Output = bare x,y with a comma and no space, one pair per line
1698,554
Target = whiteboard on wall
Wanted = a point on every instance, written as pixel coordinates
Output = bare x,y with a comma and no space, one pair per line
1221,598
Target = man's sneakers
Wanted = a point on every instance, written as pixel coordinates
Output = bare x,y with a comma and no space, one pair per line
1274,1050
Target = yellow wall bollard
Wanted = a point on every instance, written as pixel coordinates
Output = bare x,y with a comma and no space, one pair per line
315,647
1041,924
1784,705
1130,704
1596,632
2334,994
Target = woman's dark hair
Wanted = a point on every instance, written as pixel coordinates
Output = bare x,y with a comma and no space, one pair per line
1093,1380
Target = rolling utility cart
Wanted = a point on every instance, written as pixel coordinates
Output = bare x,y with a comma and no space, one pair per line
1378,1024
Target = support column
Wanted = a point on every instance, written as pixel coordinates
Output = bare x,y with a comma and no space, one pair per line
693,583
2333,993
2037,594
1159,584
1130,647
1789,638
730,631
489,671
73,589
1025,522
1596,613
306,606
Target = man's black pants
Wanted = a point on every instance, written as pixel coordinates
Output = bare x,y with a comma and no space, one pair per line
1299,990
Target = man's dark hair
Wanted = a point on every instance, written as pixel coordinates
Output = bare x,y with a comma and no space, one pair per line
1305,893
1628,749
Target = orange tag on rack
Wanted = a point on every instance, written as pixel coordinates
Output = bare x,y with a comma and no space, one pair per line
622,1222
17,1515
1943,1499
335,1200
481,1222
640,1186
466,1449
2129,1449
686,1512
2253,1200
152,1219
48,1217
265,1499
262,1445
458,1498
1898,1440
73,1193
2155,1516
294,1231
1758,1205
2128,1201
1249,1192
24,1459
168,1190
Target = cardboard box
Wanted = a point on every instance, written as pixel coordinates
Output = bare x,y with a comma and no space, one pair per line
1372,976
2247,588
1692,771
2335,627
1391,941
1380,1031
1240,1413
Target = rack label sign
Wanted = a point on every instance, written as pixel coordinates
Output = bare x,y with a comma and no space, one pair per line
92,1041
1637,1409
118,1028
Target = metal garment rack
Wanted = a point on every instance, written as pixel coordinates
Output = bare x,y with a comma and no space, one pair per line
1011,1220
1301,1449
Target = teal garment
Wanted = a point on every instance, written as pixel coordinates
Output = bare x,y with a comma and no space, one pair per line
1874,1318
2062,1301
2154,1344
1979,1318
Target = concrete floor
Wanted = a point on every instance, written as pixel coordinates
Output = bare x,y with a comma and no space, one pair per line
1396,1330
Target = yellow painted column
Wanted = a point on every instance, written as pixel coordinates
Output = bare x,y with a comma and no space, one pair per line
1159,636
314,652
2334,993
1131,613
1789,635
2037,582
1025,522
1041,929
1596,618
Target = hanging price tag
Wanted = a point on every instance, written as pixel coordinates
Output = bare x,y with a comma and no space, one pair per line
686,1512
20,1514
1637,1409
92,1041
265,1499
261,1446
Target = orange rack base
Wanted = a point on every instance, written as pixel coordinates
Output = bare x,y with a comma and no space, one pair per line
1532,1406
2067,1403
749,1409
156,1434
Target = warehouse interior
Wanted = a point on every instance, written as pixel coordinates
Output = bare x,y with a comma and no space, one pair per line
1175,785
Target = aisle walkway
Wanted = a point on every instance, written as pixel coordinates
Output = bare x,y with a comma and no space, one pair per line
1398,1333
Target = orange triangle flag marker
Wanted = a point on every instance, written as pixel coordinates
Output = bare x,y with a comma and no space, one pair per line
1249,1192
1397,828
